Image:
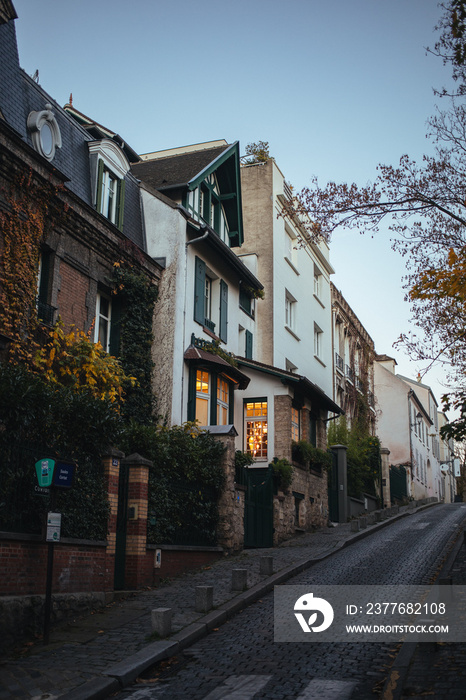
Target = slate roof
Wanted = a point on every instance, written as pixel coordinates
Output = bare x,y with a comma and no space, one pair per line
176,170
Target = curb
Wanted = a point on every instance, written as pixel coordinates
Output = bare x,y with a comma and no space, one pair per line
119,676
394,684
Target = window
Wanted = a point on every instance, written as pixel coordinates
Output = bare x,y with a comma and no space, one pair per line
210,398
110,195
256,428
290,311
206,290
202,397
295,422
208,298
45,312
317,282
246,302
290,248
223,391
109,166
317,341
103,317
45,132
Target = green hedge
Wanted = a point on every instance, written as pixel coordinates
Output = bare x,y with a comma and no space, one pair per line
38,420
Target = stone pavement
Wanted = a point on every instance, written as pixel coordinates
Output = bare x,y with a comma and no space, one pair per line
105,651
435,671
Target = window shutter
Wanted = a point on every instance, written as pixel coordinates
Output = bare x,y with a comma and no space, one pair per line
248,350
199,290
192,394
223,311
115,326
100,177
120,208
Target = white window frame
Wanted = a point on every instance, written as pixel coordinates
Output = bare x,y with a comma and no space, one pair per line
107,319
202,395
256,426
290,311
222,406
318,337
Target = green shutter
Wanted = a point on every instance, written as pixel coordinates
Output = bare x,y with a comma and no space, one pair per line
199,290
115,326
100,176
120,208
223,311
192,394
248,350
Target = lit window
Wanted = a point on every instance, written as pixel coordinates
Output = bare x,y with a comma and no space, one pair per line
103,317
256,429
222,401
295,424
202,397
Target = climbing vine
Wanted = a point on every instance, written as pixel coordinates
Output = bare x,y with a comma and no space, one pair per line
136,298
23,222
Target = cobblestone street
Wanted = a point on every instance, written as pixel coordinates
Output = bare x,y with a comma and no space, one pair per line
408,551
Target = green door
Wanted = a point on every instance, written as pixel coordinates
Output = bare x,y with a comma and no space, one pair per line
258,509
333,510
122,520
398,485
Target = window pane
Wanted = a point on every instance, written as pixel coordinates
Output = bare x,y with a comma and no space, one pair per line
202,411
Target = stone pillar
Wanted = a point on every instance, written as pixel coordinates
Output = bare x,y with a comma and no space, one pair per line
230,530
111,465
282,428
342,481
385,453
138,571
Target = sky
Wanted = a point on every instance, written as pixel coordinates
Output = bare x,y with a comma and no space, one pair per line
334,86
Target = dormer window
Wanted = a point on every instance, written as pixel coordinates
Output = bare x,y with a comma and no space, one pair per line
109,166
45,132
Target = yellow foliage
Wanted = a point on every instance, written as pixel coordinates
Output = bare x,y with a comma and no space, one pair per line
72,359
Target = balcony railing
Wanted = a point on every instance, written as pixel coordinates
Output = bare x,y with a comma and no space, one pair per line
339,364
209,324
359,385
349,373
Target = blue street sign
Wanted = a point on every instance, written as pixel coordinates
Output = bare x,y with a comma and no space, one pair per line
63,474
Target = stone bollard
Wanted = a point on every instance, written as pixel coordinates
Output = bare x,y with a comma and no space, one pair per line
370,518
354,526
411,505
362,522
239,579
378,516
162,621
204,598
266,566
396,510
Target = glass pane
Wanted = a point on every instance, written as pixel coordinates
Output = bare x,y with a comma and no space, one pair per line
46,139
202,411
103,332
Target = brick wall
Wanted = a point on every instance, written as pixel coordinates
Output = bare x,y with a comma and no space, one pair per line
76,568
72,296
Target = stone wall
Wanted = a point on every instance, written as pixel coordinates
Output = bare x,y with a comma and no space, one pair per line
230,531
304,505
